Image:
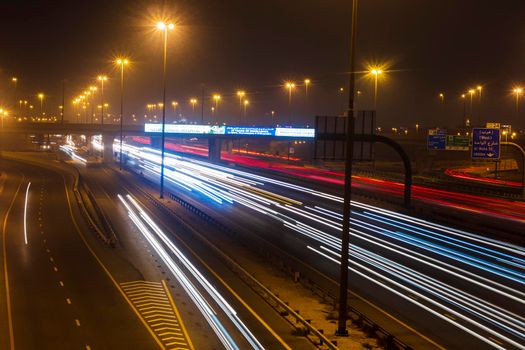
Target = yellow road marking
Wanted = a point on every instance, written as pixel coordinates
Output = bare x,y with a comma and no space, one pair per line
157,309
6,275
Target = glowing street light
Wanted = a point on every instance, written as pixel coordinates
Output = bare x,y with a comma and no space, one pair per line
217,99
471,93
518,91
193,102
290,86
41,98
121,62
306,84
245,103
102,79
165,28
442,97
241,95
375,72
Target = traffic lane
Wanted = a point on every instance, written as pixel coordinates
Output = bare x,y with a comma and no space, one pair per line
39,307
215,270
244,218
10,182
241,221
511,305
132,246
98,315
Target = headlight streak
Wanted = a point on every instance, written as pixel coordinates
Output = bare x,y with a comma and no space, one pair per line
217,297
396,230
444,238
70,150
430,310
449,294
471,261
411,241
201,303
25,212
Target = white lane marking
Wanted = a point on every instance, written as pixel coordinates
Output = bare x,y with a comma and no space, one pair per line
25,213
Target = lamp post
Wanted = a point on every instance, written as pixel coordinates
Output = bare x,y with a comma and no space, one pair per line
102,79
121,62
471,93
479,88
165,27
375,72
216,98
174,104
290,86
14,80
41,98
241,95
193,102
345,232
306,84
517,91
463,97
245,103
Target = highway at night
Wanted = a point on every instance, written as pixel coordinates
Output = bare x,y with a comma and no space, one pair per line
331,180
463,281
214,310
262,175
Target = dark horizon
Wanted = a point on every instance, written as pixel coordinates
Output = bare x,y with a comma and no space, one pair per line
431,47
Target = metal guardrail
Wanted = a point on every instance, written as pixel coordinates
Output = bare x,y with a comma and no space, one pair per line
86,214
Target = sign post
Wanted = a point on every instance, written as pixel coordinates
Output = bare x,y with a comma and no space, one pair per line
457,143
486,143
436,139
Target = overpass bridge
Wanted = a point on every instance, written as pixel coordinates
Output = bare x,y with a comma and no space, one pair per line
215,134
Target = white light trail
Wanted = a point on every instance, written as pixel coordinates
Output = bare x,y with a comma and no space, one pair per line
25,212
421,244
203,305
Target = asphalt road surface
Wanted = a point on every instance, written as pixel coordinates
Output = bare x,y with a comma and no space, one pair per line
55,294
458,289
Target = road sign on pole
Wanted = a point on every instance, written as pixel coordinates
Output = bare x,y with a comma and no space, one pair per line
436,142
486,143
457,143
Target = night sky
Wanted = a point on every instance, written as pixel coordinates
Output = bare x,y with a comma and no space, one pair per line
430,46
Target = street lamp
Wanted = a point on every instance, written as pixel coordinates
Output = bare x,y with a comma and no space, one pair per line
241,95
290,86
41,98
91,93
216,98
174,104
306,84
463,97
517,91
376,72
102,79
121,62
193,102
442,97
471,93
164,27
246,103
14,80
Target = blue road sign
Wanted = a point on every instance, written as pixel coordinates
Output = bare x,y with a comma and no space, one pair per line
436,142
485,143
